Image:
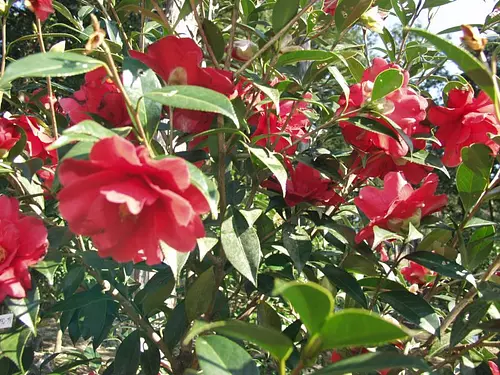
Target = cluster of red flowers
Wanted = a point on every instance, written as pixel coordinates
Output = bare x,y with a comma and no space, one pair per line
23,243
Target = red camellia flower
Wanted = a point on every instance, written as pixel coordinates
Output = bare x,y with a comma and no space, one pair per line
23,243
466,120
37,138
44,100
305,184
41,8
9,135
404,107
493,368
335,357
127,203
415,273
330,6
178,62
398,204
99,96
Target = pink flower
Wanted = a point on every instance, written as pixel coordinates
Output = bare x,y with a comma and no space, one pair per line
493,368
305,184
37,138
466,120
9,135
403,106
414,273
23,243
100,96
330,6
397,204
127,202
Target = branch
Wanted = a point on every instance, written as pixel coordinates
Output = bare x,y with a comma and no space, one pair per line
202,33
236,9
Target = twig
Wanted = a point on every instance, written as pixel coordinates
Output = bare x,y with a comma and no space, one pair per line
4,45
236,9
50,92
202,33
274,39
119,24
163,17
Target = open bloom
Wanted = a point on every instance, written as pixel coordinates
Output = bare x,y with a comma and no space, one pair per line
404,107
9,135
414,273
398,204
305,184
41,8
464,121
23,243
178,62
127,202
100,96
37,139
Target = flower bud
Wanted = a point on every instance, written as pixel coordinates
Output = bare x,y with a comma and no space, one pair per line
244,50
473,39
59,47
373,20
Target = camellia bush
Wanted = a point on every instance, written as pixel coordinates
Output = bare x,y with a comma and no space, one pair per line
247,187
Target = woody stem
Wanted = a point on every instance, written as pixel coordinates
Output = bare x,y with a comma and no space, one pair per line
50,92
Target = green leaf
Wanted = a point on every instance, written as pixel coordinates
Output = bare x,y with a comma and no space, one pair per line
423,157
335,72
293,57
26,309
200,295
372,362
438,237
220,356
384,285
241,245
270,160
272,93
358,328
82,299
298,244
312,302
50,64
440,264
175,259
345,281
373,126
206,186
381,235
276,343
283,12
478,158
386,83
268,317
349,11
13,345
468,320
479,247
471,66
195,98
150,359
215,38
478,222
138,79
128,355
489,291
413,308
177,326
470,186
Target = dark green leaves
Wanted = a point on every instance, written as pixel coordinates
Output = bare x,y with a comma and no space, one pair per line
440,264
200,295
283,12
220,356
358,328
293,57
298,244
468,320
206,186
413,308
195,98
241,242
349,11
270,160
372,362
471,66
215,38
51,64
128,355
387,82
26,309
347,283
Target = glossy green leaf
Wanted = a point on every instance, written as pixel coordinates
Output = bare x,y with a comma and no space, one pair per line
26,309
365,363
215,38
413,308
268,317
220,356
206,186
468,320
358,328
283,13
81,299
268,339
13,345
270,160
349,11
478,248
471,66
470,186
478,158
381,235
386,83
200,295
312,302
50,64
138,79
128,355
423,157
384,285
345,281
175,259
440,264
195,98
372,126
241,244
272,93
293,57
298,244
150,359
